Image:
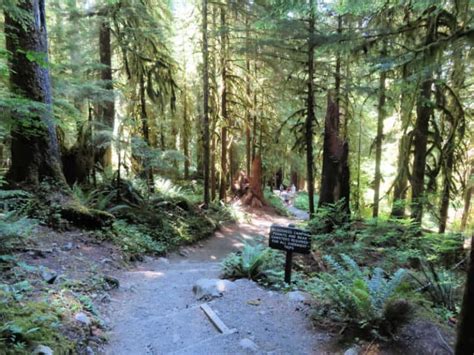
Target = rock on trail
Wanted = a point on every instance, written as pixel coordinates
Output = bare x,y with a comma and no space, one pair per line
155,310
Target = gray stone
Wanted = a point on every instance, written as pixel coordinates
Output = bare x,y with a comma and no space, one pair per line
82,318
211,288
248,344
106,261
105,298
48,275
89,351
43,350
352,351
184,253
297,296
68,246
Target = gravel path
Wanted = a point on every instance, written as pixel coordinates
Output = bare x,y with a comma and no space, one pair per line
155,311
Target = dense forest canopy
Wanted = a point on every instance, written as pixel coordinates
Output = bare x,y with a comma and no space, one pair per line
367,106
386,84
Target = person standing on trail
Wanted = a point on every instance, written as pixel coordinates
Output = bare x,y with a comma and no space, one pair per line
282,188
293,193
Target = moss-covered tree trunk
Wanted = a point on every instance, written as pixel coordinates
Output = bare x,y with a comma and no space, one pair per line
424,110
205,116
106,108
224,112
310,115
468,197
378,143
185,134
148,169
35,151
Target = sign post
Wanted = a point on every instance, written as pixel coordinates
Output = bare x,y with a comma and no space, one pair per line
292,240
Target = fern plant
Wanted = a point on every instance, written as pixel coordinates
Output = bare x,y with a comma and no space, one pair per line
441,286
362,299
14,229
255,262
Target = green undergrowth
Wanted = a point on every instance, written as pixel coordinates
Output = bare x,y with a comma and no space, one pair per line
380,248
33,314
261,264
301,201
396,271
160,222
277,203
24,325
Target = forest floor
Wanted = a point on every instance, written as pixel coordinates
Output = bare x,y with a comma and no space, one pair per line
155,311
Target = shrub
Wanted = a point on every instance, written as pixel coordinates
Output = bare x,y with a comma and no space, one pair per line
446,249
329,217
134,241
363,301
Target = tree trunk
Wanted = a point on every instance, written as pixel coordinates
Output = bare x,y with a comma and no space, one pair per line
223,179
335,174
146,135
378,143
401,182
445,194
224,113
310,112
467,198
254,196
106,108
254,120
455,121
248,115
185,135
213,167
465,337
35,152
423,114
205,123
420,142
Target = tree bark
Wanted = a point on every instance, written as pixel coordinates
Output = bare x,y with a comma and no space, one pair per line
455,135
310,112
224,113
146,134
205,123
254,196
423,114
401,180
248,115
335,183
187,158
467,198
213,167
378,143
35,153
465,337
106,108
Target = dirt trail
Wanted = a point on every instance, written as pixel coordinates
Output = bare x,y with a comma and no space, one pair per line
155,311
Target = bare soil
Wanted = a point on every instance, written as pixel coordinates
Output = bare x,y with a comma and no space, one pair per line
155,311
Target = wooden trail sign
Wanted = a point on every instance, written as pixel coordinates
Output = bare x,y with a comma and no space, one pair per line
289,239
